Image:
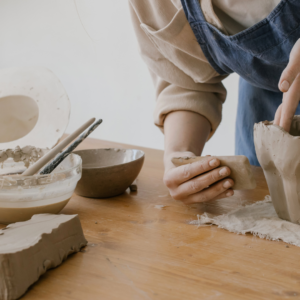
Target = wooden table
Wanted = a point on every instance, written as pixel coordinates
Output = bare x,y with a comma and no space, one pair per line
137,251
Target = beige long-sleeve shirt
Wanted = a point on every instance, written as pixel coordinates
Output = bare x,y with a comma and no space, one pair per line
183,78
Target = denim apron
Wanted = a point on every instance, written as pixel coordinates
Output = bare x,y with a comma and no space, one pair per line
258,54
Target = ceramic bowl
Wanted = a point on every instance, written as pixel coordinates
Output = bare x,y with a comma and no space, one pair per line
22,197
108,172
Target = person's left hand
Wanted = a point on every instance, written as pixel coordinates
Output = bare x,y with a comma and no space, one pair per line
289,84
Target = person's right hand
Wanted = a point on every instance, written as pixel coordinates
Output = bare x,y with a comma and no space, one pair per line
289,84
197,182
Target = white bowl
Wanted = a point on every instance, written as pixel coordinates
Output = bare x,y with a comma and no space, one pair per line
21,197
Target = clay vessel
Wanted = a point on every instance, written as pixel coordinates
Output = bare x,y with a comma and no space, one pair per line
278,153
108,172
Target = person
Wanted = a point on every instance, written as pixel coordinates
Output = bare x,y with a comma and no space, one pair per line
190,46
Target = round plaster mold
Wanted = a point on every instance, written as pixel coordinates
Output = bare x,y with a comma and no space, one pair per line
34,108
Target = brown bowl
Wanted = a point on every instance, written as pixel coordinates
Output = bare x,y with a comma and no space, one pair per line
108,172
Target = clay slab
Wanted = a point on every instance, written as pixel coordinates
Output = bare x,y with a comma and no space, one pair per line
28,249
241,172
278,154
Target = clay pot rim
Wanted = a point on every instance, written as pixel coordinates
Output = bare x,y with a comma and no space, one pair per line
270,123
111,166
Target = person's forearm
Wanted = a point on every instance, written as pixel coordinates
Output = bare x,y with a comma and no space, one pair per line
185,131
185,135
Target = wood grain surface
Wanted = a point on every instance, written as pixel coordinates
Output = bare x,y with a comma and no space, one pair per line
138,251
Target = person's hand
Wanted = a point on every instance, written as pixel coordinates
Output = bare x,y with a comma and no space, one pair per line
199,181
289,84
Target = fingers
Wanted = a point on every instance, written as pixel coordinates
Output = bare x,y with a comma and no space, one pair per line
225,194
289,85
183,173
289,104
291,71
285,83
200,183
278,115
219,190
287,79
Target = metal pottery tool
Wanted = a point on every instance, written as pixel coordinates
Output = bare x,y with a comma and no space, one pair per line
48,156
53,164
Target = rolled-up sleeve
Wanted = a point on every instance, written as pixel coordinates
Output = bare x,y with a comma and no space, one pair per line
183,79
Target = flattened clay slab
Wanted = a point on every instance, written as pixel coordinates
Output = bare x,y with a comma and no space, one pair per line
241,172
28,249
278,153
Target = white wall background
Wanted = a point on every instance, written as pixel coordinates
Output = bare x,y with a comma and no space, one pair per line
91,47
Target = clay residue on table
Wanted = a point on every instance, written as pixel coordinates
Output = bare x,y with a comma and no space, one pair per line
27,154
159,206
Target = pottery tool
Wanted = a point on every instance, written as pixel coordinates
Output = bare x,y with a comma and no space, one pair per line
53,164
28,249
52,153
239,165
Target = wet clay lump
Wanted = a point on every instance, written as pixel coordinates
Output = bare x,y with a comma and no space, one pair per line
239,165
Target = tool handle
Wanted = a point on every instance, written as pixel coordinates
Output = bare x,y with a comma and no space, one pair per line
60,157
53,152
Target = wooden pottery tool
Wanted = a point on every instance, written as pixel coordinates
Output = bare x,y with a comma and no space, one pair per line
53,164
239,165
52,153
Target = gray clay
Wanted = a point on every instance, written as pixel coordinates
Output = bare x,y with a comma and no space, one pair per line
239,165
28,249
278,152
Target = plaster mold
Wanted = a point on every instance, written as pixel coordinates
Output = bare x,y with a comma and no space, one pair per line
34,108
28,249
241,172
278,154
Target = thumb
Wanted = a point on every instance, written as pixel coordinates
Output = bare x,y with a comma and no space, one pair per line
291,71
